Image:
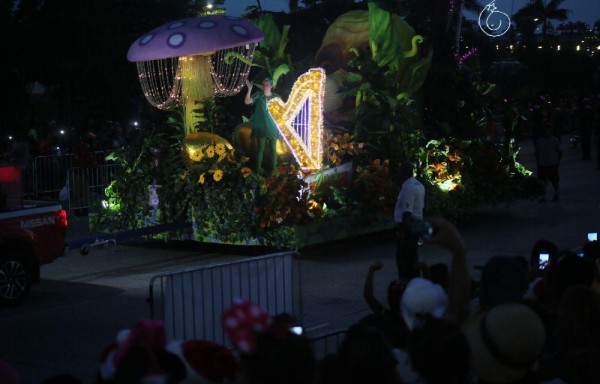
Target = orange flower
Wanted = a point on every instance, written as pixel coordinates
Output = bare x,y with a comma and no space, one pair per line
246,172
455,157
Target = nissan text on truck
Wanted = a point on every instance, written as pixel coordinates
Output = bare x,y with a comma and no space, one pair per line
31,234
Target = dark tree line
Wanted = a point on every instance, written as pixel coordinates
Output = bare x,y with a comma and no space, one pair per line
76,51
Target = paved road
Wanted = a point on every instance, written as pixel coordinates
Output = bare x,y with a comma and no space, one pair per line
84,300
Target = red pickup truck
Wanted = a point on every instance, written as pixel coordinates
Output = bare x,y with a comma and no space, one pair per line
31,234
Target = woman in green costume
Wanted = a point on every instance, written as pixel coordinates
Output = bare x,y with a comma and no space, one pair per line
264,129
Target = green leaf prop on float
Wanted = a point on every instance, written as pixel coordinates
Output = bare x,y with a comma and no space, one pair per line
401,66
270,54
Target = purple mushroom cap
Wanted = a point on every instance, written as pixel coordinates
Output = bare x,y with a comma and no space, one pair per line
194,35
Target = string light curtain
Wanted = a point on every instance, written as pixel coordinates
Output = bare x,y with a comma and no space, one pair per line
166,82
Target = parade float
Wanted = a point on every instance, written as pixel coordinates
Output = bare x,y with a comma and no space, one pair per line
345,123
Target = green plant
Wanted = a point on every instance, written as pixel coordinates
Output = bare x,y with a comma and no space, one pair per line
154,163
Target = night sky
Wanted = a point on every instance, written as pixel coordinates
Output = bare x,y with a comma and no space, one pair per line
587,11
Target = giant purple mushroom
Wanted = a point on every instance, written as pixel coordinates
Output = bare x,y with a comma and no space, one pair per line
182,62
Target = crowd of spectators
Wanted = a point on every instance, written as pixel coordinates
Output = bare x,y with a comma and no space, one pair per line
526,321
52,139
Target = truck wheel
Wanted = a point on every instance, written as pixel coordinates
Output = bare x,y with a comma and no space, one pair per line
15,279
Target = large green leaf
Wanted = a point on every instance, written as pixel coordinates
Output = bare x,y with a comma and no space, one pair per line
267,25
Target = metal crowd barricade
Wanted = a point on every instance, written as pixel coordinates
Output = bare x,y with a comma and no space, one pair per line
49,174
327,344
86,185
45,176
191,302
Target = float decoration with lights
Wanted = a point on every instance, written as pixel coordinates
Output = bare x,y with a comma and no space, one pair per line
300,119
182,63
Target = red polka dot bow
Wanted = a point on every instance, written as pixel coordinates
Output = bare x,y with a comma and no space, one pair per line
241,323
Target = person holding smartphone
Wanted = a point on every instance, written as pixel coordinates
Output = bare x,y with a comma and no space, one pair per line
407,213
538,267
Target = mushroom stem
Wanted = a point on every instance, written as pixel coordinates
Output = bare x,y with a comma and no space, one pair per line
198,87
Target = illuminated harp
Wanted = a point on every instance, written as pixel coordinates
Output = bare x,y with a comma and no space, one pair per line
300,119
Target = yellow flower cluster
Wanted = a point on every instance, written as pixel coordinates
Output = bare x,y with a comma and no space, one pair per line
207,152
216,160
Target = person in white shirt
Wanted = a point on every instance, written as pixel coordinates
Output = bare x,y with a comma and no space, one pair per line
408,212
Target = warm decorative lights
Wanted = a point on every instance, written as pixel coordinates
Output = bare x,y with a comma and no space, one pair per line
443,178
161,82
300,119
167,83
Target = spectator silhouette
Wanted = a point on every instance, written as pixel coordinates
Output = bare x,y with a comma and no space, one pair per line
439,351
139,354
591,250
537,276
575,355
439,273
503,280
446,235
568,271
365,356
421,297
547,155
506,342
387,319
269,352
204,361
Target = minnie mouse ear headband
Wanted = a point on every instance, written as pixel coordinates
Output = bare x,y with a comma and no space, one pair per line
147,337
205,361
241,323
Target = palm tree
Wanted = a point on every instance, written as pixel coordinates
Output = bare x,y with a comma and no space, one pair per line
538,13
581,28
471,5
